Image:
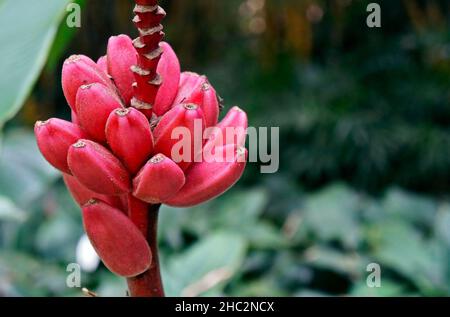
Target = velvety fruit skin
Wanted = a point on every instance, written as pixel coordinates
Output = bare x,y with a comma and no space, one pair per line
207,180
210,104
102,63
231,130
170,72
79,70
74,118
54,138
118,242
94,104
159,180
98,169
190,87
121,56
181,116
196,89
130,137
83,195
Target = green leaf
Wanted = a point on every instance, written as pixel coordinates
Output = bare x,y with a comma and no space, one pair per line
330,259
236,210
24,174
170,225
388,289
240,208
57,238
409,206
442,224
9,211
264,235
27,30
332,214
309,293
62,40
206,266
403,249
111,285
259,288
23,275
12,219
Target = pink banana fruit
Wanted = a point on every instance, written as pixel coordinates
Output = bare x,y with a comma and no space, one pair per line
102,63
54,138
184,118
197,90
98,169
94,104
159,180
207,180
121,56
170,71
80,70
83,195
130,137
119,243
231,130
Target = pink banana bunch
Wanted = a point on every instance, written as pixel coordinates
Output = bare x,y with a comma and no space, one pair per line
116,153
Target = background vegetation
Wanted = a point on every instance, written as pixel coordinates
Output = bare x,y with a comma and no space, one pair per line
364,117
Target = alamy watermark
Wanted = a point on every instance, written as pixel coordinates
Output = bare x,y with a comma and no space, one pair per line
218,145
374,18
73,19
374,278
73,279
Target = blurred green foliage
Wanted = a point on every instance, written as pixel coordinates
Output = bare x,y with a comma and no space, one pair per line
319,243
364,117
22,56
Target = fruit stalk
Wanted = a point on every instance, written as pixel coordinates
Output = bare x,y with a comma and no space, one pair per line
147,19
148,284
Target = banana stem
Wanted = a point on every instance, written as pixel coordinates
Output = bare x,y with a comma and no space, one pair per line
148,284
147,19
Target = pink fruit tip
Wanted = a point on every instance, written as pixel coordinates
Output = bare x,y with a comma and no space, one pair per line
122,112
91,202
42,123
236,108
79,145
206,86
85,87
72,59
190,106
157,159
